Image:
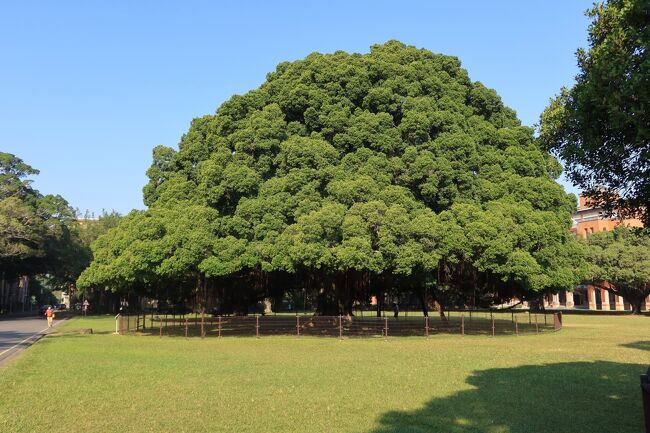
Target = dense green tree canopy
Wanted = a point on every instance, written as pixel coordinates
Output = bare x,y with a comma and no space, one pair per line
601,126
620,261
352,174
38,233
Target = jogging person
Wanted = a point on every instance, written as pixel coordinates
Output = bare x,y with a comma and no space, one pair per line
49,313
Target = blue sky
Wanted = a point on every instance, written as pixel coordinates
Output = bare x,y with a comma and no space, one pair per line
87,89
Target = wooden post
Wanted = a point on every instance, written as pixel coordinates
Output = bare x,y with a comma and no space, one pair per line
492,317
186,325
219,325
385,327
340,327
536,325
426,326
297,325
645,396
257,326
462,324
202,322
160,320
516,326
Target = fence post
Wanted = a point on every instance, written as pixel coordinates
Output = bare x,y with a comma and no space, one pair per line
186,327
426,326
516,326
137,323
298,325
202,322
462,324
219,325
492,317
160,320
557,320
257,326
340,327
385,328
118,325
645,395
536,325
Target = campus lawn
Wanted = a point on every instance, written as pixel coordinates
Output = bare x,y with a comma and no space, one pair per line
584,378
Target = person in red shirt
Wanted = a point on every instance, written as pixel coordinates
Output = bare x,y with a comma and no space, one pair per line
49,313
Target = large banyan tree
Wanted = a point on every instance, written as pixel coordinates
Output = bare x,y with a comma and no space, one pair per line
348,176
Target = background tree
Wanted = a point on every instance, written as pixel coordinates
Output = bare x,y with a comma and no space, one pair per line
600,128
620,262
38,235
351,175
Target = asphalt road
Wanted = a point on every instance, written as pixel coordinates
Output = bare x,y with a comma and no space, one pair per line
18,333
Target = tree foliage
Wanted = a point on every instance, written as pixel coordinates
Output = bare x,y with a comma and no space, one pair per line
39,234
619,261
351,175
601,127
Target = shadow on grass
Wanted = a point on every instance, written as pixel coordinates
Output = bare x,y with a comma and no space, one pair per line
578,397
641,345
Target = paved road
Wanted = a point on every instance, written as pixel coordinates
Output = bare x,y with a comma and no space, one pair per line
18,333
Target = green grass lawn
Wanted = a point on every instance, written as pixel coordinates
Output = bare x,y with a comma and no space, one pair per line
584,378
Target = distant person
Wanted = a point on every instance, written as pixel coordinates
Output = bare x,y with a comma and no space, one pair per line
49,313
395,309
86,305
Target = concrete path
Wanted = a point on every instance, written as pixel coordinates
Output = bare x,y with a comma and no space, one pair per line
18,333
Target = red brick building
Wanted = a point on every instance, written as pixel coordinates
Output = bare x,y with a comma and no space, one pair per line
587,220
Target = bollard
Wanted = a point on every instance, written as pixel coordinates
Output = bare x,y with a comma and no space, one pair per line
645,395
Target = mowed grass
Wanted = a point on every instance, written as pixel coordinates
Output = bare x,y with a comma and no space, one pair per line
584,378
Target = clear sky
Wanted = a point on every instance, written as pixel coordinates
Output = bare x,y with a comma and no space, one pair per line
88,88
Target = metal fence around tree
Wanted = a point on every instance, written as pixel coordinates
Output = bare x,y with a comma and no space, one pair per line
469,322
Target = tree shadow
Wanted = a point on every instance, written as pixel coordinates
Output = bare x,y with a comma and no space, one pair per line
577,397
641,345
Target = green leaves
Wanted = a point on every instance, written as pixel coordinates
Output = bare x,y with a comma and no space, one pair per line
390,166
600,127
620,260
